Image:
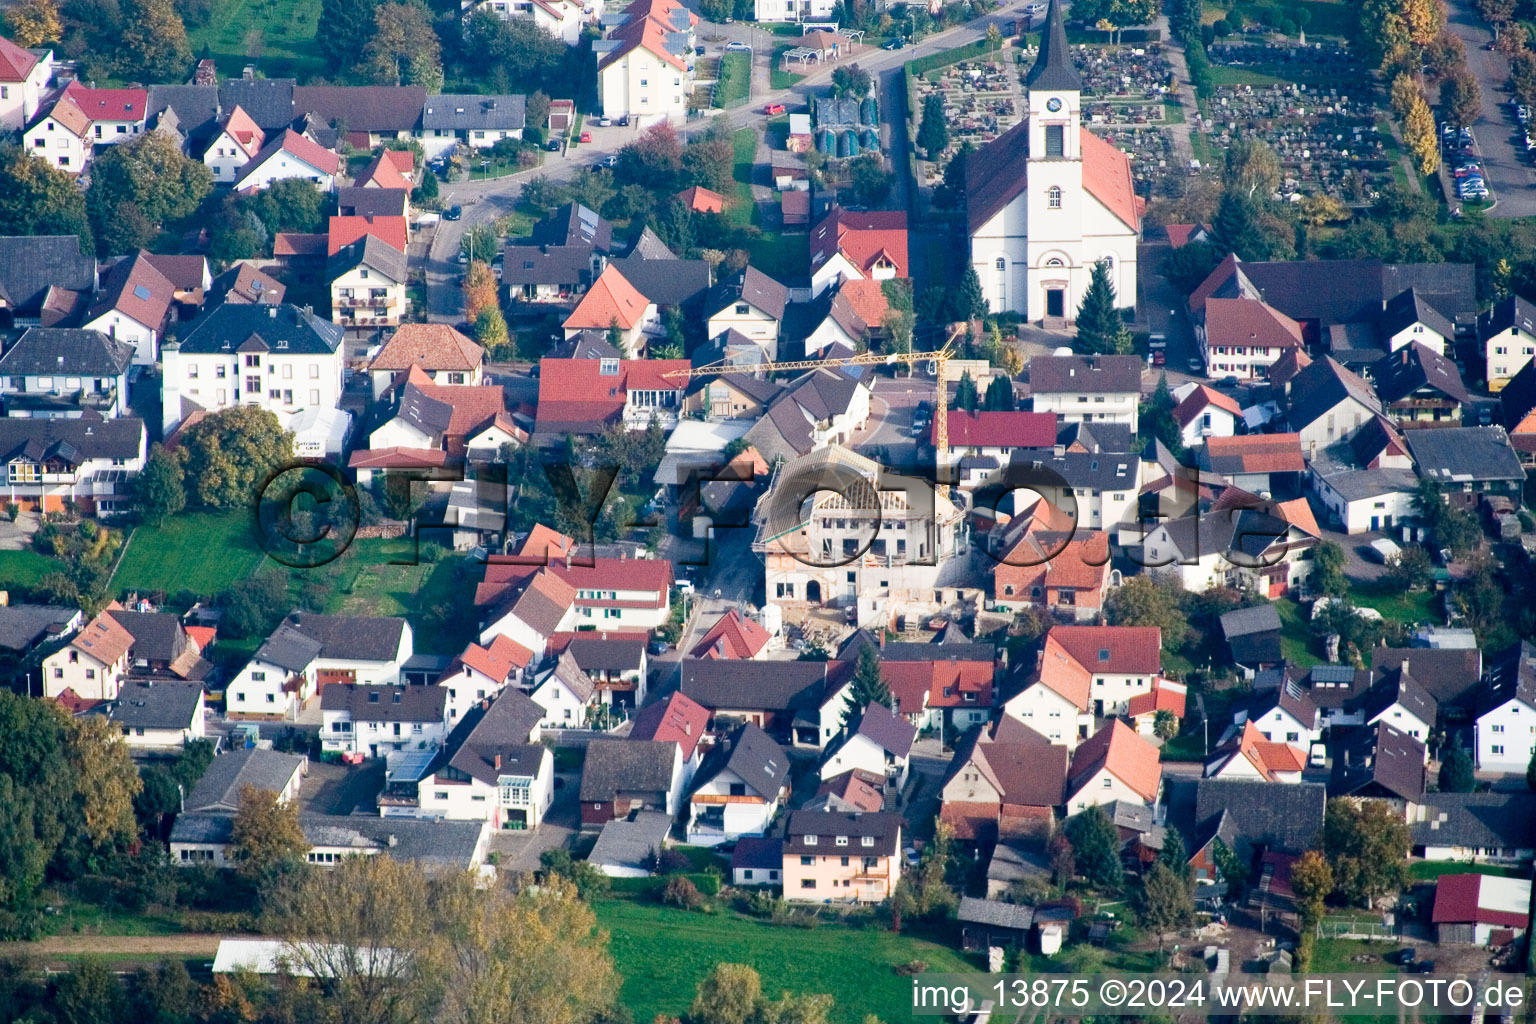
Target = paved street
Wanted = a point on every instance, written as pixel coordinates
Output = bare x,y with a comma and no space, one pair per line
1508,173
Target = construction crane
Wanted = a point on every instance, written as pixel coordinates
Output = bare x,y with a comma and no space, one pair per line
940,360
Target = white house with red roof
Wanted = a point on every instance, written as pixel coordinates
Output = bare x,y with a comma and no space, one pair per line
60,133
1048,200
133,306
1206,412
24,77
290,155
643,67
678,719
734,636
858,245
564,692
605,593
997,434
1114,764
1084,673
584,396
1250,755
614,301
117,115
1165,695
480,673
531,609
238,141
562,19
1244,337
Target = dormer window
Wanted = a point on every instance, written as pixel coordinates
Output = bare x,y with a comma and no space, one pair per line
810,840
608,367
866,840
842,840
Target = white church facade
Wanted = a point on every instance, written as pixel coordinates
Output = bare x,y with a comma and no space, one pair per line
1048,199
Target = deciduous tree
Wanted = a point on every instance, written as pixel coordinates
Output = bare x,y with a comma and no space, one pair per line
870,180
148,179
1096,848
1419,134
403,49
266,833
1312,881
1148,600
106,781
228,454
153,46
37,198
33,22
345,28
1366,843
1164,903
479,290
729,994
158,489
1328,563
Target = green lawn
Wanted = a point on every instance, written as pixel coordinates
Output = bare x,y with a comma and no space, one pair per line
1325,17
203,552
664,953
1296,640
1223,75
24,568
87,918
1397,605
1429,870
778,78
781,256
278,36
744,156
735,80
1333,956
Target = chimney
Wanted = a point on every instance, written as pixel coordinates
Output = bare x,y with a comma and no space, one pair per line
496,762
393,840
272,312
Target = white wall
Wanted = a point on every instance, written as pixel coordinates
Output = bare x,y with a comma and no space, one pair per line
300,382
19,101
1102,787
642,84
74,669
1506,737
145,340
1047,713
1507,353
281,165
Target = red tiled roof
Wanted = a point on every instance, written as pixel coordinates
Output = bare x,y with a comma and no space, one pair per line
575,391
1061,673
867,298
1178,234
70,116
1214,280
298,243
104,638
679,719
1164,696
1131,650
864,237
641,33
15,63
544,544
653,575
496,661
392,231
1126,756
857,787
1269,758
430,346
382,173
1298,512
397,458
1258,453
997,429
732,637
245,131
1107,177
1458,900
1197,400
702,200
68,699
1249,322
403,159
610,299
109,104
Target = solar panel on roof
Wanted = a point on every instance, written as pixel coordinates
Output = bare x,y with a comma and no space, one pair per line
1333,673
140,291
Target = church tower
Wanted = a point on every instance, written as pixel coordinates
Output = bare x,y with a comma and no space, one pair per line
1054,176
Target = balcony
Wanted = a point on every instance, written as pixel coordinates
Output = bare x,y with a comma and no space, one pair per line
355,301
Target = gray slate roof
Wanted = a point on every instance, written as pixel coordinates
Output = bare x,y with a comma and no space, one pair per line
30,265
1505,820
753,287
75,439
22,626
62,351
1261,618
755,758
269,101
1285,818
370,251
883,827
998,915
156,706
430,841
219,788
1414,367
352,637
1456,454
504,729
227,327
724,685
377,703
627,766
474,112
630,843
1053,70
666,282
383,109
574,224
1379,761
1090,374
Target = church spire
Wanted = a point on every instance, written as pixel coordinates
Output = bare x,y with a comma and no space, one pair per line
1053,70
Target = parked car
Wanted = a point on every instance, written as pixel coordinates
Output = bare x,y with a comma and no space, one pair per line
774,108
895,44
604,122
453,212
611,160
922,419
1196,365
553,145
1407,955
698,51
1466,170
737,46
624,121
585,137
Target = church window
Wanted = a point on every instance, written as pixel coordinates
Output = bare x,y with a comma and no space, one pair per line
1053,197
1055,140
1054,261
1002,263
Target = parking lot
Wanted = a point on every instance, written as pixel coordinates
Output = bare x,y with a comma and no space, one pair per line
1507,170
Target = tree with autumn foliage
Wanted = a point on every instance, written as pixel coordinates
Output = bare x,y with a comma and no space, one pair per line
1312,881
479,290
1419,134
33,22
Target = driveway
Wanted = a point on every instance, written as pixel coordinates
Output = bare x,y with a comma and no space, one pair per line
519,852
1508,174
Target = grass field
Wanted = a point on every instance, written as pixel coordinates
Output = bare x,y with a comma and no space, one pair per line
778,78
778,255
24,568
1296,640
276,35
1397,605
664,953
203,552
1333,956
735,80
1429,870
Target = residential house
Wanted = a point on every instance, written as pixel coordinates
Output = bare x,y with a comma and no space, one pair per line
191,281
60,133
24,77
481,121
611,301
218,790
442,353
643,68
936,685
562,19
277,357
996,435
740,788
1481,910
565,693
851,245
854,790
133,306
568,251
343,231
1417,386
1507,334
1517,403
630,847
1467,463
757,861
820,409
614,593
733,636
1266,548
163,648
391,171
117,115
307,652
157,717
1249,755
1410,319
1361,500
456,418
479,673
1044,562
1006,784
43,279
1451,675
491,767
530,611
1256,463
373,200
900,533
1328,403
371,114
615,661
1504,738
792,10
289,155
25,628
1124,661
802,701
620,777
436,845
701,200
1165,697
373,719
237,143
880,743
1253,637
1401,701
1098,490
1381,763
368,279
1475,828
675,719
1249,817
93,665
1113,764
585,396
839,857
1206,413
1243,337
674,285
1091,389
1055,700
750,303
65,372
86,460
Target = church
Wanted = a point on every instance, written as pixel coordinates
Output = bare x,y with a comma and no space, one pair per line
1048,199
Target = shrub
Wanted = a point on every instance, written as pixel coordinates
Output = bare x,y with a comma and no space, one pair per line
680,892
1222,27
673,862
911,967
